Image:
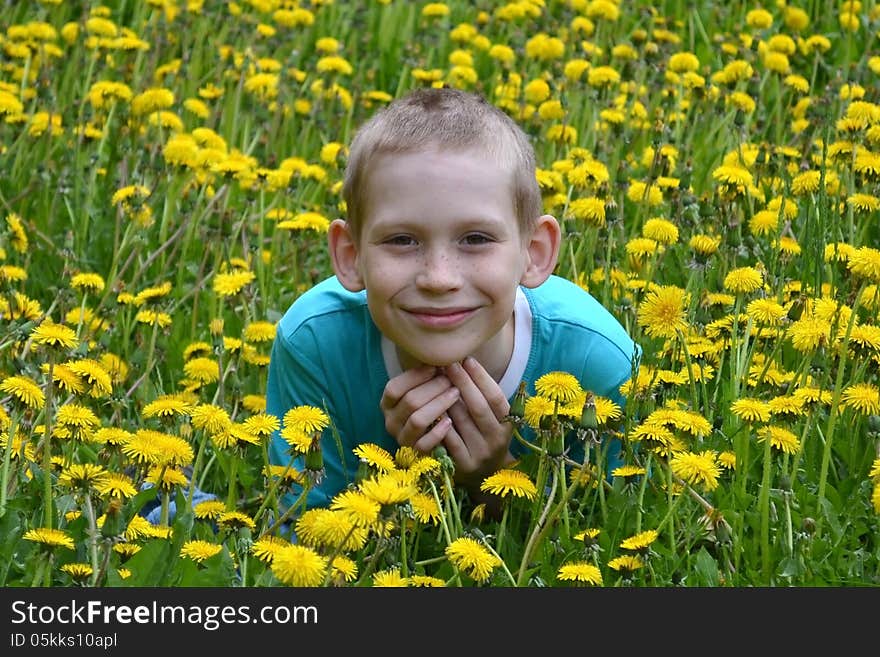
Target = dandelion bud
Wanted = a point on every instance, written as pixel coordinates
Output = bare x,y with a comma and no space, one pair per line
706,208
722,532
611,210
874,424
518,407
314,457
556,440
113,521
808,525
446,463
588,414
797,309
739,119
785,482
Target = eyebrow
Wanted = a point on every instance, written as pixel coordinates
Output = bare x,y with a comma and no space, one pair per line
475,222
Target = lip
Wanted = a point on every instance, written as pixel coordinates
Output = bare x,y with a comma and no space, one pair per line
440,317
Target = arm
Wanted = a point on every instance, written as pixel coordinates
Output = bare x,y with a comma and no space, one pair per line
293,380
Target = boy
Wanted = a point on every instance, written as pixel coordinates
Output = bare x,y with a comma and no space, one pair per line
443,298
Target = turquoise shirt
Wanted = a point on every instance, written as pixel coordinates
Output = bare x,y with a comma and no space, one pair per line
328,353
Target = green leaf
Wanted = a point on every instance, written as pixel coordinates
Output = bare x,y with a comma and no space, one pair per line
706,569
151,565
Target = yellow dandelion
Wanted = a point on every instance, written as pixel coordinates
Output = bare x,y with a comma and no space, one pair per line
54,335
697,469
780,438
743,280
199,550
297,565
472,557
559,387
751,409
23,389
510,482
580,572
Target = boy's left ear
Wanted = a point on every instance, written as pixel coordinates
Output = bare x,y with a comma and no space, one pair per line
543,250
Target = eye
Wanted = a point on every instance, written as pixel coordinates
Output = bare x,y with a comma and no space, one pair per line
400,240
476,239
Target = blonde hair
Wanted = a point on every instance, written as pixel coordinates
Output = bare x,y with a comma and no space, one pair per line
446,119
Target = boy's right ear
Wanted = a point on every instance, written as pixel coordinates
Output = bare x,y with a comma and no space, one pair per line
343,253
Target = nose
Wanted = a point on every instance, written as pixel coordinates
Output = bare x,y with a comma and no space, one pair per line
439,272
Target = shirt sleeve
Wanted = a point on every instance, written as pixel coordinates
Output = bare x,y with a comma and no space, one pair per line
295,379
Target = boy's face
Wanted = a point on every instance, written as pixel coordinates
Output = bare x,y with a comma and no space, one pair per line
441,255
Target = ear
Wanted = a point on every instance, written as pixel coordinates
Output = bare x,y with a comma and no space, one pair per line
542,249
344,254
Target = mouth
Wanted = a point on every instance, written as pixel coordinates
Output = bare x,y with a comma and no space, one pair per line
440,317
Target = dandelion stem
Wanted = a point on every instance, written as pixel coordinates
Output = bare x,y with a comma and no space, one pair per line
47,449
535,532
834,411
92,536
7,460
764,511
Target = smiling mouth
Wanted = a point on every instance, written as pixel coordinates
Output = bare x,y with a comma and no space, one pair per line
440,317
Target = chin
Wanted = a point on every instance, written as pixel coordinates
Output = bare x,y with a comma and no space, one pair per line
441,357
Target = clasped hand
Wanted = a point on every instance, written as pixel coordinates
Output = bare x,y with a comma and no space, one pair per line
460,406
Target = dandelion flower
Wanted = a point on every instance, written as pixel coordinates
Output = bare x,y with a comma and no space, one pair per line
560,387
24,389
808,333
472,557
387,489
235,520
267,547
375,456
54,335
743,280
627,563
426,581
390,578
863,398
780,438
231,283
363,510
509,482
297,565
118,485
865,262
662,312
50,538
167,406
697,469
580,572
199,550
307,419
766,311
425,508
641,541
84,476
751,410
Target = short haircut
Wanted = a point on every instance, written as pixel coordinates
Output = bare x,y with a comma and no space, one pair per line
446,119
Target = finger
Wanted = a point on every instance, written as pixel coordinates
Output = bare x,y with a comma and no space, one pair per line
478,406
456,448
396,415
401,384
434,437
420,421
488,386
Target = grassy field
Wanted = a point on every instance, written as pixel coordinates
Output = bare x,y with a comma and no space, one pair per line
169,171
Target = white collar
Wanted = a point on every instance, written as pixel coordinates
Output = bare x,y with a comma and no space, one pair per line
522,345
